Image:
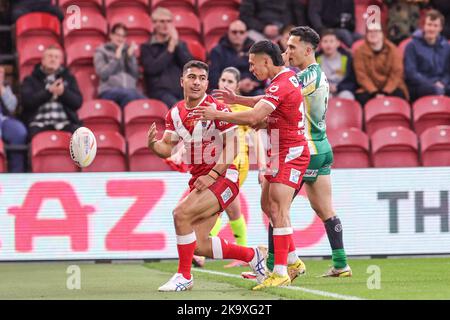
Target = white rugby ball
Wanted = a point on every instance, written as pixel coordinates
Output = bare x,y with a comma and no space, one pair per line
83,147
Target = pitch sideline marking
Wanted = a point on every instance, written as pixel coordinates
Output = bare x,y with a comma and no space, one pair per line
295,288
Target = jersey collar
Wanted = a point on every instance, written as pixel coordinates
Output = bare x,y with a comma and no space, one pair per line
201,101
281,72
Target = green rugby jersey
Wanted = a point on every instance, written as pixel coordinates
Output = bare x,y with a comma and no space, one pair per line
315,90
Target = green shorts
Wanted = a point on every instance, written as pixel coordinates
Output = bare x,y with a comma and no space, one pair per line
320,164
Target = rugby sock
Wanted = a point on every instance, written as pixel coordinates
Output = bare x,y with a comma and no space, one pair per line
270,255
222,249
281,241
186,246
292,256
239,228
216,229
333,227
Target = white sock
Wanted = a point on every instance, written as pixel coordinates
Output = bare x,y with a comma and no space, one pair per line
280,270
292,257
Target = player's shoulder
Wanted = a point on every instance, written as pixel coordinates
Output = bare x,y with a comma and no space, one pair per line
287,80
310,74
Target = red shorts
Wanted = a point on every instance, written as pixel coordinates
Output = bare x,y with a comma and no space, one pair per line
226,188
289,167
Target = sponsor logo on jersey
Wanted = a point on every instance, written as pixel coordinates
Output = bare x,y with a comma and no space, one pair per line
294,81
294,176
226,195
274,88
309,173
268,95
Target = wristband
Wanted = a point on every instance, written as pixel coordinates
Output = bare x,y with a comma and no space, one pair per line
218,174
211,176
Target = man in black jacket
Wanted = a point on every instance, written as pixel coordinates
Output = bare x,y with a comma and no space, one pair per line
163,58
334,14
50,96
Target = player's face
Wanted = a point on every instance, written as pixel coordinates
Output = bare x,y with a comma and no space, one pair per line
329,44
259,64
194,83
227,79
432,29
298,51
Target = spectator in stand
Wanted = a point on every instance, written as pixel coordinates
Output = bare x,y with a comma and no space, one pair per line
12,131
232,51
337,65
427,59
163,58
50,96
266,18
443,6
22,7
334,14
117,67
378,67
284,37
403,18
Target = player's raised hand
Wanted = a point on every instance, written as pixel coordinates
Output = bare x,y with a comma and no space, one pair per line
207,112
203,182
151,135
227,95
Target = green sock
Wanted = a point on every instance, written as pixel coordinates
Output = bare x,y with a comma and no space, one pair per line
239,228
216,229
270,261
339,258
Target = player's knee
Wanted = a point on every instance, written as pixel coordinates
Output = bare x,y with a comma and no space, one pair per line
181,214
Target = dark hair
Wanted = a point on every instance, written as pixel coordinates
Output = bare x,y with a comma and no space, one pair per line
196,64
307,35
434,14
328,32
119,26
269,48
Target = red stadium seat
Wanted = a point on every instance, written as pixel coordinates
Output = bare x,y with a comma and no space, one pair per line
212,41
187,24
343,113
394,147
93,23
216,22
3,167
186,5
402,46
101,115
139,114
111,153
50,152
143,4
37,23
141,158
98,4
80,51
350,148
196,49
205,6
435,145
431,111
87,81
386,112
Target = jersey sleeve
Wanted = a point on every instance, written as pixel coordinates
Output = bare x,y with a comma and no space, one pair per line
170,127
309,80
224,126
273,95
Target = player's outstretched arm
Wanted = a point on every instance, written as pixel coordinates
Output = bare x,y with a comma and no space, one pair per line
163,147
251,117
228,96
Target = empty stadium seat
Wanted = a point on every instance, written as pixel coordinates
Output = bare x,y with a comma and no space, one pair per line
140,157
87,81
435,146
139,114
37,23
50,152
394,147
187,24
186,5
93,23
98,4
431,111
143,4
205,6
350,148
111,153
343,113
196,49
386,112
80,51
3,167
101,115
216,22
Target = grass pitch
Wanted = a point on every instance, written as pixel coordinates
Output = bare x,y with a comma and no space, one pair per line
412,278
